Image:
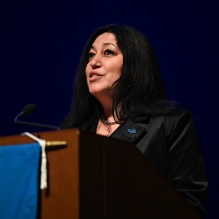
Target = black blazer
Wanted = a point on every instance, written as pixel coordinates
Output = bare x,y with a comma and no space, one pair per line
172,145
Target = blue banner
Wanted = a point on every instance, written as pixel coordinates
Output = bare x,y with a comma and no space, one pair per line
19,181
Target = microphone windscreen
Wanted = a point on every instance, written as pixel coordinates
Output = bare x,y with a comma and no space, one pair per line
29,108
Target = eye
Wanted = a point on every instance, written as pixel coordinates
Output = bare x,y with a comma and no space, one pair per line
108,52
91,55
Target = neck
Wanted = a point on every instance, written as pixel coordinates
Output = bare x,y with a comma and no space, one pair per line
105,127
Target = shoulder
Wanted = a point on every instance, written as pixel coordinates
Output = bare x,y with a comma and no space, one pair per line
169,120
172,118
176,121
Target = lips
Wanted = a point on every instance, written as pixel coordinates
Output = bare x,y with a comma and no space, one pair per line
94,76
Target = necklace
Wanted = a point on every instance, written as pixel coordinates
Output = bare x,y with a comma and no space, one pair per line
107,122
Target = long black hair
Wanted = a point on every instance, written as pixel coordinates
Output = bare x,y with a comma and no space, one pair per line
139,91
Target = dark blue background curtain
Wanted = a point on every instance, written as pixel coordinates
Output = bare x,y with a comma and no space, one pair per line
41,43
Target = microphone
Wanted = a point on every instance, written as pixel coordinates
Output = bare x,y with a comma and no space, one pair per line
28,109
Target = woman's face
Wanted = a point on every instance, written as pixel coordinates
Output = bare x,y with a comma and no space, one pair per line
104,65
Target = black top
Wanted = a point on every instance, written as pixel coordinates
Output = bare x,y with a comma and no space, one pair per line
172,145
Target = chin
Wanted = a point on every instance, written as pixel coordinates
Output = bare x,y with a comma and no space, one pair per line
100,93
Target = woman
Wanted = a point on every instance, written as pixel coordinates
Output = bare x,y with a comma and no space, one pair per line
119,85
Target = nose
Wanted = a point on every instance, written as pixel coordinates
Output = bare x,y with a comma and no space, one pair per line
95,62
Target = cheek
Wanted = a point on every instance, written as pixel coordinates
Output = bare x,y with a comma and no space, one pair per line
120,65
116,68
117,75
118,71
87,70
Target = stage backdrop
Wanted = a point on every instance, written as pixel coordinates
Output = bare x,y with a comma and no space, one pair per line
41,43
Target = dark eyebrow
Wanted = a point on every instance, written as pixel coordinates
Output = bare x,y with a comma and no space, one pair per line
106,44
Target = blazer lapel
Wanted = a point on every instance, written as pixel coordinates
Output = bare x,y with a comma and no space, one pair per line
132,130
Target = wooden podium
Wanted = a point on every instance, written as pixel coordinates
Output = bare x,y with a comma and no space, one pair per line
95,177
